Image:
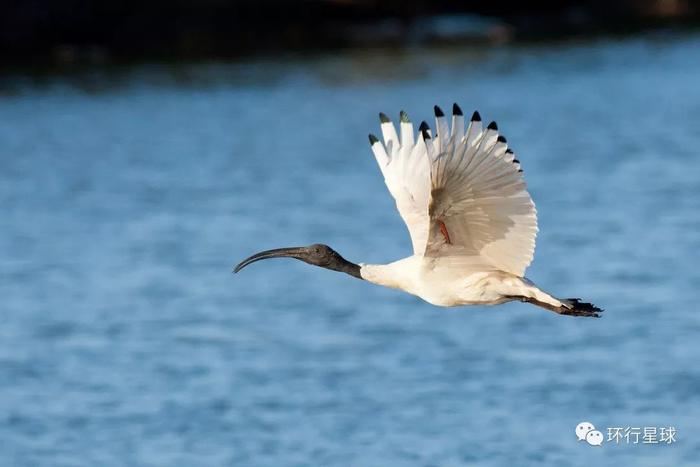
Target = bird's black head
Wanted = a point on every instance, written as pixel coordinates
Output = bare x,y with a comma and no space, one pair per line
317,254
322,255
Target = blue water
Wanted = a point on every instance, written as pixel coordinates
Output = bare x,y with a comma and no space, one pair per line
126,196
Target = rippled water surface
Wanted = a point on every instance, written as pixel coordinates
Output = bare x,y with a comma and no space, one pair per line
127,195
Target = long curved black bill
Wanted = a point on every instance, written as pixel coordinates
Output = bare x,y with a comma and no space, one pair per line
295,252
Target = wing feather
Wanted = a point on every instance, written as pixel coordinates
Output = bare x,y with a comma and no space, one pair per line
406,171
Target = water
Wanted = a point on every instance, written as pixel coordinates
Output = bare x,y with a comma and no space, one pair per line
127,195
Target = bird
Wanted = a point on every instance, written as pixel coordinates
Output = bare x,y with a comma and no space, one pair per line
471,220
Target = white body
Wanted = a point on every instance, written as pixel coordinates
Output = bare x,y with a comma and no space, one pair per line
439,284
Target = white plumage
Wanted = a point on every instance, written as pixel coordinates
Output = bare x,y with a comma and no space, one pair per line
472,222
466,181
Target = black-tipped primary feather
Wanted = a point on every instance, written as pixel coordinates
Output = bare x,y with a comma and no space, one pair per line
509,151
492,126
424,128
438,112
476,117
404,117
501,139
372,139
516,161
383,118
456,110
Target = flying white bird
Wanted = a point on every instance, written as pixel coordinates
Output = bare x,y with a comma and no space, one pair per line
471,220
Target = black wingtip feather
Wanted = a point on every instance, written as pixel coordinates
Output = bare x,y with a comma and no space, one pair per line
438,112
516,161
372,139
456,110
501,139
424,129
492,126
476,117
404,117
383,118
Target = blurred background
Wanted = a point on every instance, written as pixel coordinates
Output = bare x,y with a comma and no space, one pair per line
147,147
79,31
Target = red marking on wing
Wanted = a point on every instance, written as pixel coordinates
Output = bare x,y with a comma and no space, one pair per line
443,231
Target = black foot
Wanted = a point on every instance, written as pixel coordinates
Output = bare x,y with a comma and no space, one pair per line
579,308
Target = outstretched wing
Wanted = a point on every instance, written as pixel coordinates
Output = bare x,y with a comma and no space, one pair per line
479,204
474,206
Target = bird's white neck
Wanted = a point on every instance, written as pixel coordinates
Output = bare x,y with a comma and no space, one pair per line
397,275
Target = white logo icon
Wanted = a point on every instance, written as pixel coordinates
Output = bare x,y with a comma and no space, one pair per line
585,431
582,430
594,438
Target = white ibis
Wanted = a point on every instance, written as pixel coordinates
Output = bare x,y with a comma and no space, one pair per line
471,220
